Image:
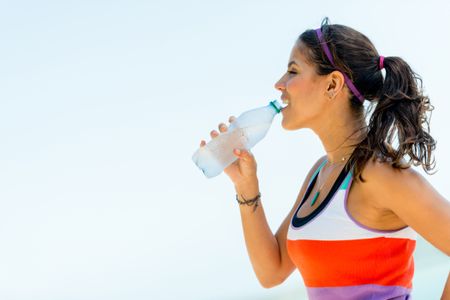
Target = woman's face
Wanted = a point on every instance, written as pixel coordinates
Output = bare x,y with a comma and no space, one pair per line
303,90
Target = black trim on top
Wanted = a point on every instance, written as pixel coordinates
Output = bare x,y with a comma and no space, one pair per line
298,222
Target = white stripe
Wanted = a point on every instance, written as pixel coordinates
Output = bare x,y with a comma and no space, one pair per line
333,223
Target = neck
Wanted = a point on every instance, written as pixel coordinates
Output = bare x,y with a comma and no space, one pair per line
340,137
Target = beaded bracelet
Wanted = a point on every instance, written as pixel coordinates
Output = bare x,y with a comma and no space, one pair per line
250,202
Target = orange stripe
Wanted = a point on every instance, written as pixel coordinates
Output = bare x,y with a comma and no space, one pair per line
384,261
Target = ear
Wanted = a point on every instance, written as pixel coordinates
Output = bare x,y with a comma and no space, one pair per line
335,84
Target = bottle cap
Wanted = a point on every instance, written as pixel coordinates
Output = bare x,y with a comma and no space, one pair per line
276,105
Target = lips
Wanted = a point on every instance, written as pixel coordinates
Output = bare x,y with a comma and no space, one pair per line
285,101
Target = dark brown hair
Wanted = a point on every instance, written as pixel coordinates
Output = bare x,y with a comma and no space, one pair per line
401,108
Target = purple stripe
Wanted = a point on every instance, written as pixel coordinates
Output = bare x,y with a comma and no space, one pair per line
360,292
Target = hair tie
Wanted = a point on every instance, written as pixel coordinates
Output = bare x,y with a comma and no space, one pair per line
381,63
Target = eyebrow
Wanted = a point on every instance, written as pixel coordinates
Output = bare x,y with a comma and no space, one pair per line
291,63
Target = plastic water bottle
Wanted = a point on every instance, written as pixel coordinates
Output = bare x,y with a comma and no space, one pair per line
244,133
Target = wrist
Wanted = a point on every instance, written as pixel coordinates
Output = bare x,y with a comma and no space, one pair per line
247,189
249,202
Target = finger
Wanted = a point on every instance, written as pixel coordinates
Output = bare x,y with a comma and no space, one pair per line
242,153
231,119
202,143
213,133
223,127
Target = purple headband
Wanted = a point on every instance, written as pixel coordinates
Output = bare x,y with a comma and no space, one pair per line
349,83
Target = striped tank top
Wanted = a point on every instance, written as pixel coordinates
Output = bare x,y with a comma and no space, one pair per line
340,258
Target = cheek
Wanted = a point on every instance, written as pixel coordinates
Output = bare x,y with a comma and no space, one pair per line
305,104
300,87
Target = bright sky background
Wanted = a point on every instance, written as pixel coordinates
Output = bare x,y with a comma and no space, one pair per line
103,104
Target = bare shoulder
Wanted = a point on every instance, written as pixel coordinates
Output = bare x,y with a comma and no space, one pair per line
410,196
381,176
384,183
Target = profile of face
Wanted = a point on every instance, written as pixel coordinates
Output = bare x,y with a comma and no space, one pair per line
303,90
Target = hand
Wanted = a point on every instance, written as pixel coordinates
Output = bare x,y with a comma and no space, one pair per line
243,170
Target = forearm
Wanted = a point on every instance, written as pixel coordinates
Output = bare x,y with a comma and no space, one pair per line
446,292
262,246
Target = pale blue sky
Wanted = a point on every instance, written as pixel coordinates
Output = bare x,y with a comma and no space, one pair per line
103,104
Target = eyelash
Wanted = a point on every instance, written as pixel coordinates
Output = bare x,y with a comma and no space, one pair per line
292,72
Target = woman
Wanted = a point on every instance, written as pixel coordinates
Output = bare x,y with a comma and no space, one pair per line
352,230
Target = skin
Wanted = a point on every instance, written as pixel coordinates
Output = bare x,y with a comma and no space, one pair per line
390,199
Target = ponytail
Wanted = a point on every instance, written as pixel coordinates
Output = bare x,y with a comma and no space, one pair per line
400,117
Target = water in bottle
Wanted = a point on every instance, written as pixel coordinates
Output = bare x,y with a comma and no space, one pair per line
244,133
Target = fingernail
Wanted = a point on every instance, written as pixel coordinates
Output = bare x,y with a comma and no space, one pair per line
237,151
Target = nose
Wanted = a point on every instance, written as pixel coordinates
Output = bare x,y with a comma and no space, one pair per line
280,84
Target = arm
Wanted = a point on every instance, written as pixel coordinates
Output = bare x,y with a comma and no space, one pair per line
267,252
446,292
